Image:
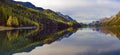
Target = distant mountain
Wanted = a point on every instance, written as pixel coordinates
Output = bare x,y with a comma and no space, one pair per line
68,18
65,16
104,20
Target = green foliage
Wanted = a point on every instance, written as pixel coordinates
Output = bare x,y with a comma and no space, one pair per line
24,16
20,40
8,10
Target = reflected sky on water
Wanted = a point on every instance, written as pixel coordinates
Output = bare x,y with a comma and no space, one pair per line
86,41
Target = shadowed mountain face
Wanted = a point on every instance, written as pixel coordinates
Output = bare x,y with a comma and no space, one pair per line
27,4
14,41
30,5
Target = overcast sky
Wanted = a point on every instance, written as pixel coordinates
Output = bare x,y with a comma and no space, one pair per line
81,10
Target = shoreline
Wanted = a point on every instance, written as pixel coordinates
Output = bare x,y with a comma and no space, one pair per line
15,28
3,27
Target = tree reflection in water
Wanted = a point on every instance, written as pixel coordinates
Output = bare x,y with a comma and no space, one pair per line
14,41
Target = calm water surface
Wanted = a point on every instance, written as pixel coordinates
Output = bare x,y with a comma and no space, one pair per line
84,41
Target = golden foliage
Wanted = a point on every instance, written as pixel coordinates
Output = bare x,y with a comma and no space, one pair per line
12,21
70,23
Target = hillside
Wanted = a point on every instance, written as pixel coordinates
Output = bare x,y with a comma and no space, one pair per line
16,14
113,21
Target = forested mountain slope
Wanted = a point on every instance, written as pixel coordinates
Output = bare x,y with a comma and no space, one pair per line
16,14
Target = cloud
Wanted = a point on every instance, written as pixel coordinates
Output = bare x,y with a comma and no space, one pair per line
80,10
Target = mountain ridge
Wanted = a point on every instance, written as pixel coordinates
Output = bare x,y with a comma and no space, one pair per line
25,13
113,20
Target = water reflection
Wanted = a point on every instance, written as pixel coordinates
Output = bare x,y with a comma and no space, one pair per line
86,41
113,31
14,41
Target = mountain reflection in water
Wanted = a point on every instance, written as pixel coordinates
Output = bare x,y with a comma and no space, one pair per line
14,41
113,31
86,41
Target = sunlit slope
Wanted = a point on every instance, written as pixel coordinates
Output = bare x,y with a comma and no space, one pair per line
14,14
114,21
